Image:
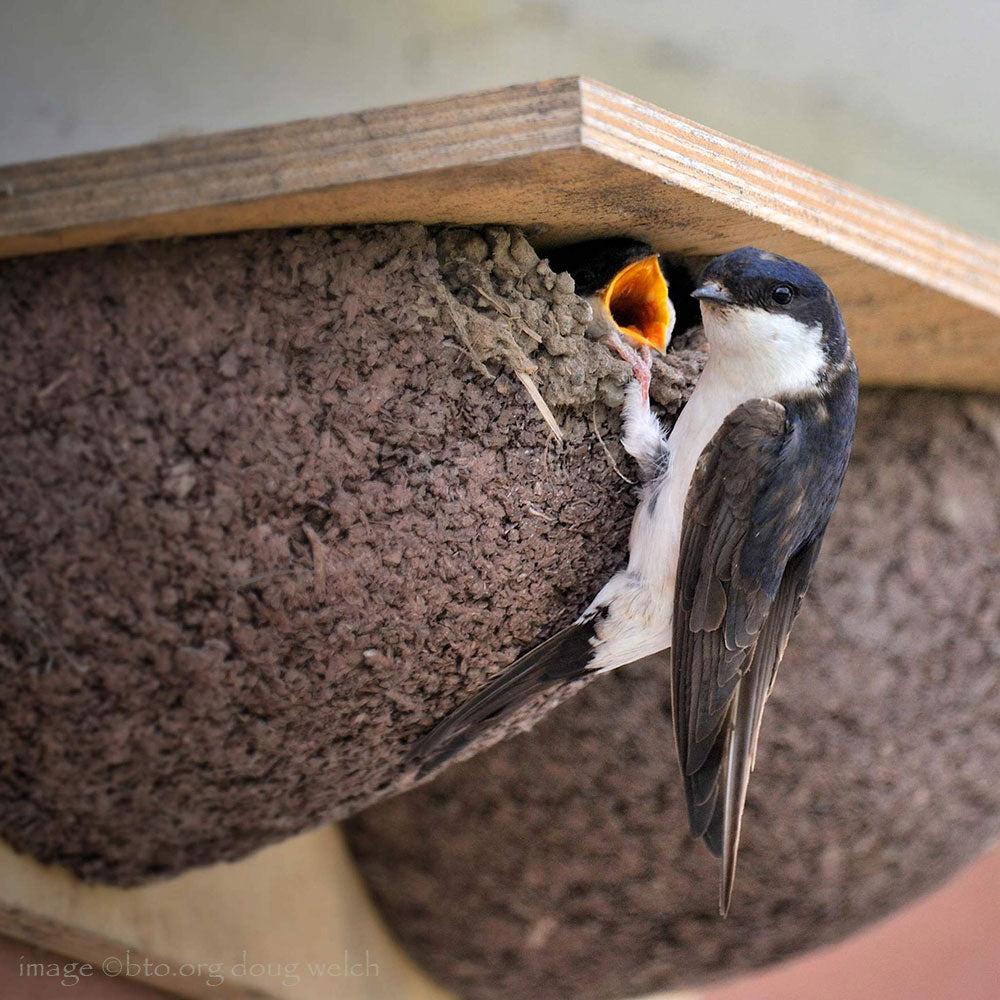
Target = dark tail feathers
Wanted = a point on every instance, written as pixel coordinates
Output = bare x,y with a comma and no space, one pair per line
559,660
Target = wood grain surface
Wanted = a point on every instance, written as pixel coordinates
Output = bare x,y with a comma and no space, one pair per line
275,925
565,159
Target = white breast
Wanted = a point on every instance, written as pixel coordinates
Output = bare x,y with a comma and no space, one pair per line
754,354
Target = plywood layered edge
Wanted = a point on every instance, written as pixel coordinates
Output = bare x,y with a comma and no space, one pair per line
564,159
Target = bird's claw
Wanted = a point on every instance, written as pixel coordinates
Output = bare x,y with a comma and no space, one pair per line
640,359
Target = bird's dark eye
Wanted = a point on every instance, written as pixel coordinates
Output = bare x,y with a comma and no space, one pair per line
782,294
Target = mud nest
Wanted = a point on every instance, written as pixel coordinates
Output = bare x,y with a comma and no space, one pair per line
270,504
559,863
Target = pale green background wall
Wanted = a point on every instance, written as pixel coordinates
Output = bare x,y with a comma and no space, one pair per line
902,96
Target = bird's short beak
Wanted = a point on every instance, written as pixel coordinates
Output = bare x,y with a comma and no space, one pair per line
637,299
712,291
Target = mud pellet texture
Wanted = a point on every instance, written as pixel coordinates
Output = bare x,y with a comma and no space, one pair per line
559,864
269,504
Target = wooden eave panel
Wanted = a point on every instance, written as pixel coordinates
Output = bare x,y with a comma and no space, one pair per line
565,159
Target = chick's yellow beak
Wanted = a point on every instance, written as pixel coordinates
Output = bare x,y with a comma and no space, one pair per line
639,304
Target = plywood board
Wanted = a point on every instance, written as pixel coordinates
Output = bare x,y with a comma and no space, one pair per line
292,921
565,159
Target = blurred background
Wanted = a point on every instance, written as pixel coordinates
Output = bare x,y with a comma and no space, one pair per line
900,96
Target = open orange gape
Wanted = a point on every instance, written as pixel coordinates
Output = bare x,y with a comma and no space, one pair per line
638,302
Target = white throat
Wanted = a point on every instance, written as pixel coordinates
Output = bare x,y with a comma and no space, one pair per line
766,354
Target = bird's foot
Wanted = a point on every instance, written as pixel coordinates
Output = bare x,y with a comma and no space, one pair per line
640,359
643,436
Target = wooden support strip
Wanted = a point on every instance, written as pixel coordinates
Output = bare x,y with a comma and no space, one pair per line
291,921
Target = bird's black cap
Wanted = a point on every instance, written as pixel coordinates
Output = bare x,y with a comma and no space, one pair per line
757,279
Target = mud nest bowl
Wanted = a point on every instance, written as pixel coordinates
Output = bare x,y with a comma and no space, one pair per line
272,503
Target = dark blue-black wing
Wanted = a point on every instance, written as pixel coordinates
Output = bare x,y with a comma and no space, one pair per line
756,509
